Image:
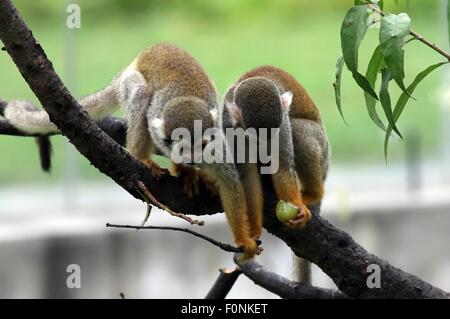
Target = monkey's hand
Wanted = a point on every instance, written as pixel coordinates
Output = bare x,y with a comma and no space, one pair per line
287,187
302,217
155,170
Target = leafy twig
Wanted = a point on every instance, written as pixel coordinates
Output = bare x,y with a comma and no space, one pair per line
413,33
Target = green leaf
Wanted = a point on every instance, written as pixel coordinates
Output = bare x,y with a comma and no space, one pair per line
373,68
401,103
364,84
393,25
337,86
353,29
393,30
448,20
385,99
394,58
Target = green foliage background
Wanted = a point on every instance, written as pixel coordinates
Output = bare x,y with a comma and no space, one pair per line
228,38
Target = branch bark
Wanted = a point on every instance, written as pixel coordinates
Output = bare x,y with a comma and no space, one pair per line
333,250
223,284
344,260
99,148
283,287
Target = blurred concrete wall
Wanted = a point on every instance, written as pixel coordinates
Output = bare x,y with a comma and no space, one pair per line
162,264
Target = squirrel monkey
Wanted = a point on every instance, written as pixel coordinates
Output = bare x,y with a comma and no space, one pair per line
268,97
163,89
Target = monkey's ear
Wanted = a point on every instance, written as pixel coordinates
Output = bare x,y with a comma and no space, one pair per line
235,112
157,125
286,100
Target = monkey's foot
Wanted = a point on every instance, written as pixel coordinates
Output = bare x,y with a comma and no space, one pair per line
209,182
302,217
251,249
155,170
190,178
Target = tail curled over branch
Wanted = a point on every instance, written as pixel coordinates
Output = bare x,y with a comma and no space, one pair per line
24,116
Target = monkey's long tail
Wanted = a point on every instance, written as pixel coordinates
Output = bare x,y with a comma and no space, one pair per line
24,116
301,270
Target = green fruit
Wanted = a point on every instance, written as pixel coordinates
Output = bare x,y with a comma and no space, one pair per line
286,211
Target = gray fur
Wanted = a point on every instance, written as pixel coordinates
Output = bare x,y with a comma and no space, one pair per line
311,146
133,95
24,116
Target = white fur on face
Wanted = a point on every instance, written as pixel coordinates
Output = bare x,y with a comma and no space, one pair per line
158,126
286,100
235,113
214,114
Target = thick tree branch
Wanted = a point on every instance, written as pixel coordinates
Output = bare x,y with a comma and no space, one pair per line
344,260
333,250
100,149
223,283
283,287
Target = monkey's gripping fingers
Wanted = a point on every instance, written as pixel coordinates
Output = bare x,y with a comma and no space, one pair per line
302,217
155,170
190,177
251,249
190,182
209,182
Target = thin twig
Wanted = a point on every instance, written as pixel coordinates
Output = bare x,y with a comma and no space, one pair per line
413,33
153,199
147,214
223,283
223,246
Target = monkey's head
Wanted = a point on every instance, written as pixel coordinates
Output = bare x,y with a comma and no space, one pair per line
183,112
184,120
258,103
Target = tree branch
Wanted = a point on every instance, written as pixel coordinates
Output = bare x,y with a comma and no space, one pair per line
344,260
283,287
413,33
223,283
223,246
333,250
100,149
